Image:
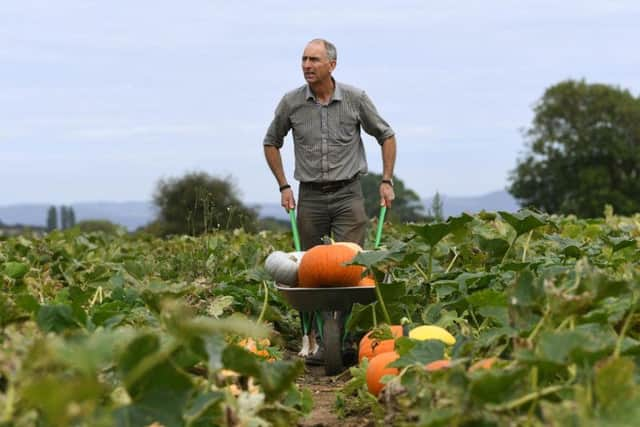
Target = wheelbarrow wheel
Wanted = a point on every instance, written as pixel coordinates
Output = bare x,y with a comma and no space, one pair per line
332,339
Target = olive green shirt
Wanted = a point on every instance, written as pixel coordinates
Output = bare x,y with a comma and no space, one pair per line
326,138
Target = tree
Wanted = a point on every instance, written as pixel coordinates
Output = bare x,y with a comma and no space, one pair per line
71,217
406,207
198,203
64,218
436,210
52,218
584,151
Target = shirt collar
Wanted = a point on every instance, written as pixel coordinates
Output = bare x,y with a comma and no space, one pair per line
337,92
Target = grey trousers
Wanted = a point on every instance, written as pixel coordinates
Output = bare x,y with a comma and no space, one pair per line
339,215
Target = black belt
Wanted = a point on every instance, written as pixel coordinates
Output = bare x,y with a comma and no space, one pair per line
331,186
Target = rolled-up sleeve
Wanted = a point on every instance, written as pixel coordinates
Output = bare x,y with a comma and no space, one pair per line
279,126
372,122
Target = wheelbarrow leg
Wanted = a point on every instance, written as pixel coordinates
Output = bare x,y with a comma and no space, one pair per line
332,339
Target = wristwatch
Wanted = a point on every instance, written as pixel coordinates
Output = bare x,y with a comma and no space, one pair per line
387,181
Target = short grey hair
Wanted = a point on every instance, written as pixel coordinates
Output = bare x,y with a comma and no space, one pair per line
332,53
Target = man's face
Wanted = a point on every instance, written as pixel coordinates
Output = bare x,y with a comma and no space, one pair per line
315,64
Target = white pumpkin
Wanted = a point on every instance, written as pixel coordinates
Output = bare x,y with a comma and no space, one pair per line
283,267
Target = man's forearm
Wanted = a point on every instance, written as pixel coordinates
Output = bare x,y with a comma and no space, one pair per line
274,160
388,157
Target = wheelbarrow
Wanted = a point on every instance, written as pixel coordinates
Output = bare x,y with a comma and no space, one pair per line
332,302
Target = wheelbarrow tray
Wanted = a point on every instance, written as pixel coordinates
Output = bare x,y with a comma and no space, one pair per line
337,298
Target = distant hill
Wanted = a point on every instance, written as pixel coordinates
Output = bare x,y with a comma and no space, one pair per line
136,214
128,214
452,206
495,201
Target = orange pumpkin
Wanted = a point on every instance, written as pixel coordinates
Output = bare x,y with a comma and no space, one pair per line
378,368
323,266
483,364
367,281
356,247
257,348
437,365
371,347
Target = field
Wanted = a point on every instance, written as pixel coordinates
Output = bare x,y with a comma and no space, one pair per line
130,330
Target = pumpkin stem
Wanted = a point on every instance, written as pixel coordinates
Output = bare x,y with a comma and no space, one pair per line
264,303
328,240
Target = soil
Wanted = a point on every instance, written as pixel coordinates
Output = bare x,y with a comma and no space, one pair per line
323,389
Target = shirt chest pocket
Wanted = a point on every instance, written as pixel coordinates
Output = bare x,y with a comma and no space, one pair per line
348,127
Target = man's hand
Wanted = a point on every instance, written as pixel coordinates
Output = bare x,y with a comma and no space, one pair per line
386,194
287,200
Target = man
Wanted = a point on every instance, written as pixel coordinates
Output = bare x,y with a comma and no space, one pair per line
326,117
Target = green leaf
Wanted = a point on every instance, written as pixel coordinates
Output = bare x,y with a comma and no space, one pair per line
240,360
432,233
439,417
518,266
568,247
585,344
219,305
56,318
495,249
27,303
361,317
136,269
620,243
278,376
572,251
487,297
615,378
490,337
274,377
420,352
523,221
392,292
458,222
370,258
527,290
9,312
91,353
498,314
158,389
15,270
100,314
54,395
204,409
137,350
495,386
214,346
444,288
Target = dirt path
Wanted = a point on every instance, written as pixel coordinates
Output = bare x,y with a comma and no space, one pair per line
324,390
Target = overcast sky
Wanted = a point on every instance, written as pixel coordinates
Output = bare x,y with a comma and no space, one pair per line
101,99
